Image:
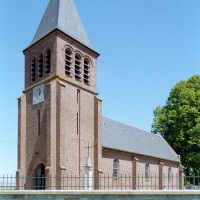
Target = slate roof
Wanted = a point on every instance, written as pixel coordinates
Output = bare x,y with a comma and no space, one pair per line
62,15
120,136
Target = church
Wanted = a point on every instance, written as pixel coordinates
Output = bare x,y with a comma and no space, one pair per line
61,130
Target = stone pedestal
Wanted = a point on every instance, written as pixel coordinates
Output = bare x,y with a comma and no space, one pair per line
88,175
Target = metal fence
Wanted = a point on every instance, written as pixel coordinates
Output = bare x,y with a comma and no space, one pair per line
103,182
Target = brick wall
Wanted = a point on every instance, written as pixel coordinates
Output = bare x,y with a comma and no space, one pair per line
134,165
58,136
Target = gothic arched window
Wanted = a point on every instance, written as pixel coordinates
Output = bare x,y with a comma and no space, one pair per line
33,69
77,67
68,61
147,171
48,61
40,66
86,76
115,168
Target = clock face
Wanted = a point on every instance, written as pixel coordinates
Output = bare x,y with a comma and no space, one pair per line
38,94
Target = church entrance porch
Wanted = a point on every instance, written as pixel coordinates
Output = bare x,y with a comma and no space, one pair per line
39,179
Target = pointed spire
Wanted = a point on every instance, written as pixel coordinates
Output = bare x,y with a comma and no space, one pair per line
62,15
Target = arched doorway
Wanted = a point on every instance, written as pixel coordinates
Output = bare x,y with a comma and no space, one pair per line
39,179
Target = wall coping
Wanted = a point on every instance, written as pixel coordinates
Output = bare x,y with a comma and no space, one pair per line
102,192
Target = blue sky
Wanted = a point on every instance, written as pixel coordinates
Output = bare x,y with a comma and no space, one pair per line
146,47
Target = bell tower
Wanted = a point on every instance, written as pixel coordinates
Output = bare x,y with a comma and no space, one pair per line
59,112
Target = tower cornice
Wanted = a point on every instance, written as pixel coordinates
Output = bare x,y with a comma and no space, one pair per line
61,81
59,31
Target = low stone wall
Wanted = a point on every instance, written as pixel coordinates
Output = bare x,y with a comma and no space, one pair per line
99,195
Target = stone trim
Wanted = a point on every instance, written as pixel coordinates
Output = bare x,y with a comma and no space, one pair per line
102,192
61,79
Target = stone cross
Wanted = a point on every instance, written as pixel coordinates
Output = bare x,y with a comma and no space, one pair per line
88,170
88,147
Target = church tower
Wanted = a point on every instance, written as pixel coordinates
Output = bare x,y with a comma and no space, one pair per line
59,112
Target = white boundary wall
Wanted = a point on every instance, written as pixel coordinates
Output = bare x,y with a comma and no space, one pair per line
98,195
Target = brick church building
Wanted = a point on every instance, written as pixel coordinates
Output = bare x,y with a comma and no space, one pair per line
60,115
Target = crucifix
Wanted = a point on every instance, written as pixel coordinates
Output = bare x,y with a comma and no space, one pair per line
88,147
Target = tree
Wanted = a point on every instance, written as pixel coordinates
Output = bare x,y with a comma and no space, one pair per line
179,122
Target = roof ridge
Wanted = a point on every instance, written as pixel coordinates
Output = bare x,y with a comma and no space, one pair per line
58,14
130,125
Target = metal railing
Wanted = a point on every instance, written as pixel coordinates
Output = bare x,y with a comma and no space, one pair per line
103,182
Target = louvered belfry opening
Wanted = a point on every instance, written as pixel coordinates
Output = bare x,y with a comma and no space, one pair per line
68,62
48,61
78,67
33,69
40,66
86,71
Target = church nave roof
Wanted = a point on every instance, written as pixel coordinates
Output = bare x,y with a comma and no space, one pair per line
123,137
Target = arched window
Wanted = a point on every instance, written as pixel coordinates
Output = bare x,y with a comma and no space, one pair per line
40,66
77,68
147,171
33,69
169,173
68,61
48,62
115,168
40,177
86,71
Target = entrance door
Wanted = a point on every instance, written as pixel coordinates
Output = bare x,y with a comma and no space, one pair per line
40,178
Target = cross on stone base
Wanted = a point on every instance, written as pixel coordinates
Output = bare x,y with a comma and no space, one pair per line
88,171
